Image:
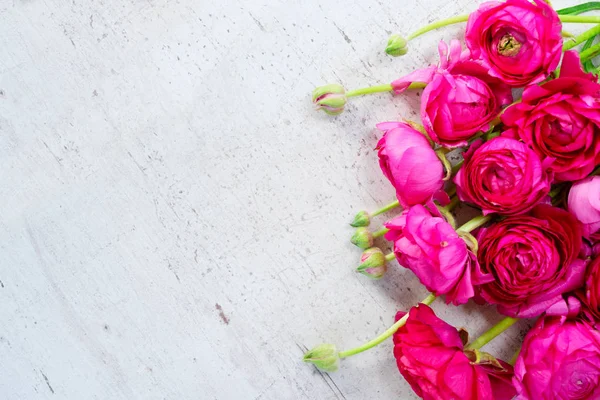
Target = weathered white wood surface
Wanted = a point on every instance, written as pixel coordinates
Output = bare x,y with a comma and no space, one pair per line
173,220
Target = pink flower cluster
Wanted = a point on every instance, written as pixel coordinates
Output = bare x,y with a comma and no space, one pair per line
530,170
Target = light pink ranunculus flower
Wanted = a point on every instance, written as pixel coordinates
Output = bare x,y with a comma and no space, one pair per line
409,162
430,356
560,119
584,203
502,176
519,41
430,247
559,359
461,98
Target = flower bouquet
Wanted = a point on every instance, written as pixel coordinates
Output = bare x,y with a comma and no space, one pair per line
521,106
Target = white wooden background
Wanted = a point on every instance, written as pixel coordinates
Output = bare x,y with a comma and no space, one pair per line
173,220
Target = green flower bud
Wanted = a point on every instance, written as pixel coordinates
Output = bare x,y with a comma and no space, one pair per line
397,46
324,356
361,219
374,264
330,98
362,238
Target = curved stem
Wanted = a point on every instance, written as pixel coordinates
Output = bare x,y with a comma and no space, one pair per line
456,167
380,232
579,9
492,333
386,208
581,38
438,24
590,53
580,19
475,223
391,330
390,257
453,203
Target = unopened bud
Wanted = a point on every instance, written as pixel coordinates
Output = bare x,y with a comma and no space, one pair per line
397,46
361,219
330,98
362,238
324,356
373,263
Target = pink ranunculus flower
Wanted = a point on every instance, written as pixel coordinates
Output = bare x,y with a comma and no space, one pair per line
436,254
519,41
559,359
590,294
534,259
430,356
584,203
502,176
561,120
409,162
461,98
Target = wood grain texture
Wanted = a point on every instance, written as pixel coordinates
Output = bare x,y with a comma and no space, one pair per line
174,213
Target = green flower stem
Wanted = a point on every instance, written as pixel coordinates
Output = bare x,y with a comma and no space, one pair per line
386,208
579,9
492,333
380,232
581,38
343,354
390,257
381,89
456,167
590,53
452,191
453,203
438,24
580,19
475,223
513,360
464,18
449,207
369,90
596,171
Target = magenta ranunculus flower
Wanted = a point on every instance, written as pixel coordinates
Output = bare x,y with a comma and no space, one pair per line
502,176
559,359
519,41
590,295
534,259
561,120
584,203
461,98
411,165
430,355
431,248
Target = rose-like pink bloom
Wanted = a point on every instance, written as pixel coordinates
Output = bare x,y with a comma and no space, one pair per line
429,354
411,165
534,259
502,176
559,359
584,203
519,41
561,120
590,296
431,248
461,98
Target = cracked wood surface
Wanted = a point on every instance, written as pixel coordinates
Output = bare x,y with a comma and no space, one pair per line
174,213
